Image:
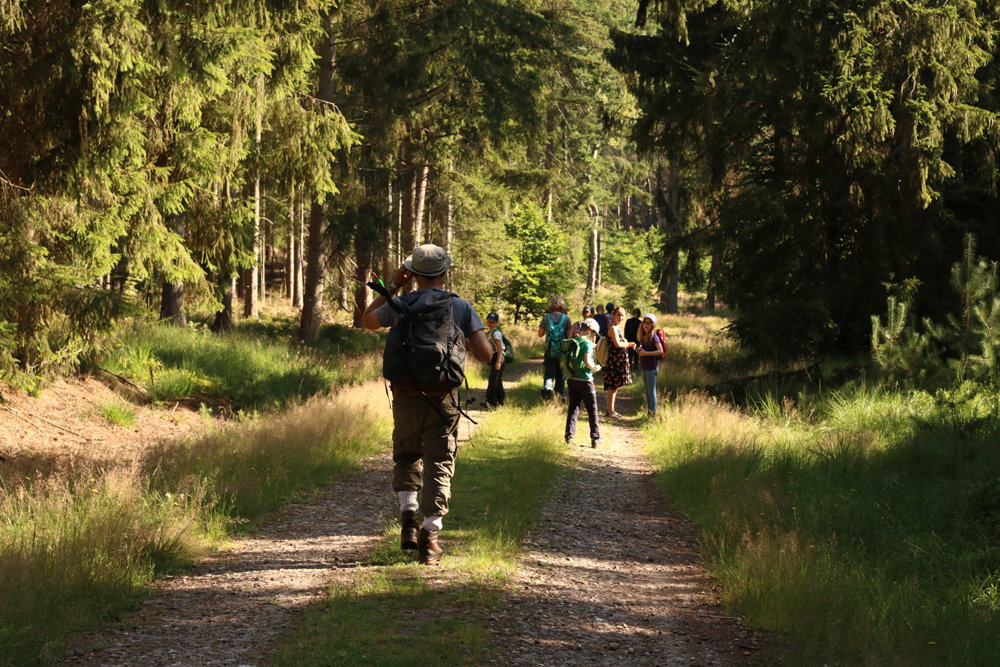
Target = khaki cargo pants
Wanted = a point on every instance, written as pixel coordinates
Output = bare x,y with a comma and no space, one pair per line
424,448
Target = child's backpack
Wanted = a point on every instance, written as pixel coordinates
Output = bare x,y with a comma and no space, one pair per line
425,349
574,357
662,335
601,351
554,335
508,349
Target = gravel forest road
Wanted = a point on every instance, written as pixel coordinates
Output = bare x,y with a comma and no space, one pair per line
611,575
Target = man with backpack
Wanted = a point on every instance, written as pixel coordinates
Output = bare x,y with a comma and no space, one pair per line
424,361
555,328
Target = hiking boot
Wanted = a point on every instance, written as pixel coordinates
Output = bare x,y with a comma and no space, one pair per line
569,441
595,442
411,526
430,552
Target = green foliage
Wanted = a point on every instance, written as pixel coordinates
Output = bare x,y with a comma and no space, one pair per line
627,262
115,412
827,183
967,342
534,263
905,357
49,259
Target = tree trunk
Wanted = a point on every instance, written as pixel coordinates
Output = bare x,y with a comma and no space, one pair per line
224,318
300,232
388,269
251,307
312,303
600,250
672,283
262,281
592,268
344,283
406,208
288,257
250,288
363,267
172,303
713,273
420,196
550,147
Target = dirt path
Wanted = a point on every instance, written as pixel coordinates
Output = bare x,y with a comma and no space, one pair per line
230,607
613,575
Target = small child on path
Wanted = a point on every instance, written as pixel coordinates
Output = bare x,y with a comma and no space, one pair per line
495,393
578,356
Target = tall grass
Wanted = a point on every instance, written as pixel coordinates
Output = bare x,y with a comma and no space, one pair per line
79,548
256,368
251,468
867,535
74,552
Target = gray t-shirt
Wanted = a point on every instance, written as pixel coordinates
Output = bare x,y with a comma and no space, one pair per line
466,319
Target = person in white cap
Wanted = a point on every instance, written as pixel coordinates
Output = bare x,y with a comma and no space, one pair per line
650,348
425,412
578,355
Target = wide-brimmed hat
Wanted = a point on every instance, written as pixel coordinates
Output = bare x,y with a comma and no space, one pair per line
428,260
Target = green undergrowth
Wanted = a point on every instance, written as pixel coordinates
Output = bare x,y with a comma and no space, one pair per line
79,548
394,612
257,367
866,534
116,411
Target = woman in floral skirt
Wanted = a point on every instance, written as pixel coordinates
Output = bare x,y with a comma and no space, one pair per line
617,372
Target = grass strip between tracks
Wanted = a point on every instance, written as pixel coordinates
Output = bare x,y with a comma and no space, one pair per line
394,612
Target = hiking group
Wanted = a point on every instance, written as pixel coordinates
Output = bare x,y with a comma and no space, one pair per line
431,329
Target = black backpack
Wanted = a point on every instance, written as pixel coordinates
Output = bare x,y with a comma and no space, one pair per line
424,349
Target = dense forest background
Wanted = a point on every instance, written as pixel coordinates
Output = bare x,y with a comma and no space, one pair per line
803,160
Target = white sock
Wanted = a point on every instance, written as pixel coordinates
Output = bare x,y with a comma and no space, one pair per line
408,501
433,523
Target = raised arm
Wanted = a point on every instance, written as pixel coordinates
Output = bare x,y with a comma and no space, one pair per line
370,319
480,346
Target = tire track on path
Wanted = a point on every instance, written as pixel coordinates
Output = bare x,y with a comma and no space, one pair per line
613,575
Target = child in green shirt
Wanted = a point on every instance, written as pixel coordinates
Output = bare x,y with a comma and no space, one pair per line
578,356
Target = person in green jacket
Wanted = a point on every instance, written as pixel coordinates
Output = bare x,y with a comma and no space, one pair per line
580,365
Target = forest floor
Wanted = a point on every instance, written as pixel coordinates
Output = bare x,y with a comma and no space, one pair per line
611,573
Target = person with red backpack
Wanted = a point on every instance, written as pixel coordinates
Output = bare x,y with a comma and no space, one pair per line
650,347
555,328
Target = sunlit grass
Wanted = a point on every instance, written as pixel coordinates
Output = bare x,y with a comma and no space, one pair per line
257,367
115,411
78,548
867,537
